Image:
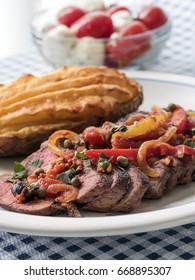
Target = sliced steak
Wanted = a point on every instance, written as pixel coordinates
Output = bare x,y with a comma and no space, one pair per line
43,154
92,185
157,185
35,207
136,189
187,168
104,202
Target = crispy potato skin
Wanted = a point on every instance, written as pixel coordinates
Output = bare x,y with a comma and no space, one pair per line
32,108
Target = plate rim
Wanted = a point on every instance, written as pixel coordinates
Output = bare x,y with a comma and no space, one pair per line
92,226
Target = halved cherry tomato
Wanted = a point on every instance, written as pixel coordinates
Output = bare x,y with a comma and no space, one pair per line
94,135
179,120
152,16
98,135
95,24
114,9
125,49
58,168
69,15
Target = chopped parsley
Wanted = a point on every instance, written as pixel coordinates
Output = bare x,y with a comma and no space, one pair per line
19,170
36,163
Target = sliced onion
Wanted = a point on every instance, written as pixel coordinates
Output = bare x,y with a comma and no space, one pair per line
142,152
52,141
69,193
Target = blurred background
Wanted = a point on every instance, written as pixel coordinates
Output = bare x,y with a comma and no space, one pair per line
16,15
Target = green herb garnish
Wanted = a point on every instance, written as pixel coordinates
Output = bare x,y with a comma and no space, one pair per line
67,176
63,177
193,131
189,143
37,163
121,128
81,155
19,170
103,158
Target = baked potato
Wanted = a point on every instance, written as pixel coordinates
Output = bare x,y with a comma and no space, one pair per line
32,108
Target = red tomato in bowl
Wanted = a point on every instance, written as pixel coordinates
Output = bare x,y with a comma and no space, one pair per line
135,28
95,24
126,48
114,9
152,16
69,15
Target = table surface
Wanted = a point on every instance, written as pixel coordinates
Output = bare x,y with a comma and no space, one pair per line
174,243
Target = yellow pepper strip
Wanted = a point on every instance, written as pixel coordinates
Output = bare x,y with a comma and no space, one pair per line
142,152
144,126
190,113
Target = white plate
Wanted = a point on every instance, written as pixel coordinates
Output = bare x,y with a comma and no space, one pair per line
172,210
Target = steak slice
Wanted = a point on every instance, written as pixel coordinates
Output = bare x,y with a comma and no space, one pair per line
104,202
157,185
43,207
187,164
136,189
43,154
92,185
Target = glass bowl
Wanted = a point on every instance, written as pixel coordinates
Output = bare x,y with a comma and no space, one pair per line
60,48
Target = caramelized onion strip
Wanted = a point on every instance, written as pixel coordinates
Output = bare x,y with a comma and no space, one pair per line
66,134
69,193
142,152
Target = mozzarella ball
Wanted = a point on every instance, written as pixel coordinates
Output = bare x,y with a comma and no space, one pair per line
121,19
89,51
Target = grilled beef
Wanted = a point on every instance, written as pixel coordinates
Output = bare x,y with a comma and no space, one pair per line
92,185
157,185
109,198
137,187
121,190
44,155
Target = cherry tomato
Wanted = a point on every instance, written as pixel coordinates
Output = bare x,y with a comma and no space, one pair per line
152,16
126,49
96,24
58,168
69,15
93,135
114,9
136,27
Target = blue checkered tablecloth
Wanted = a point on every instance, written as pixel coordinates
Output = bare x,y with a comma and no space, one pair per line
173,243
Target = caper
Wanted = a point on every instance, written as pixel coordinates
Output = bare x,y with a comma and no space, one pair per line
41,193
122,161
67,144
38,171
17,188
171,107
104,165
28,194
75,182
33,186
